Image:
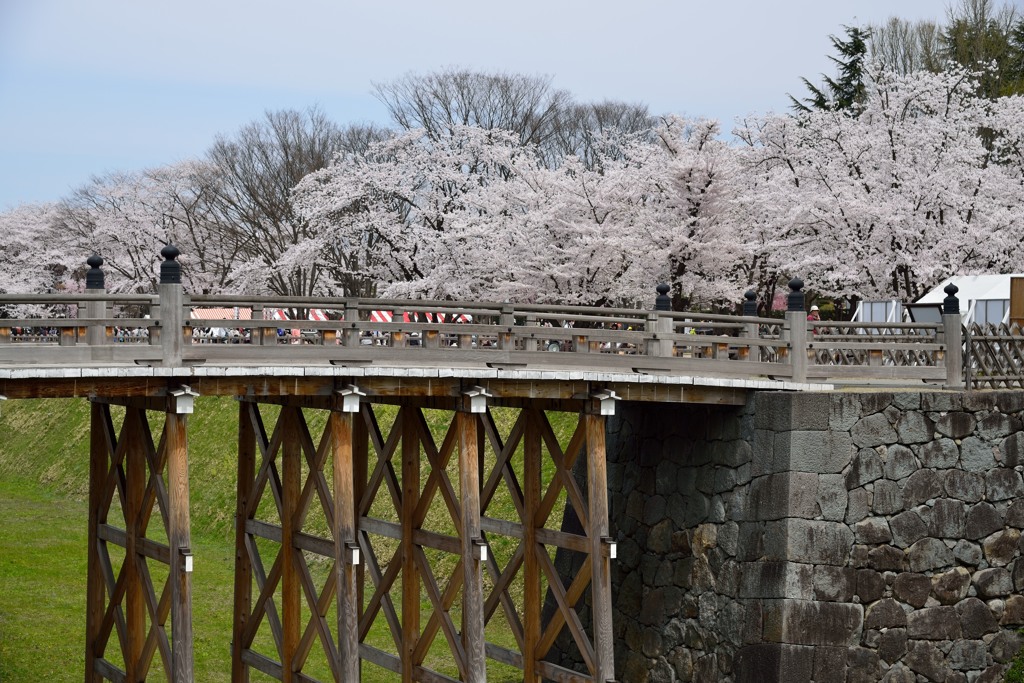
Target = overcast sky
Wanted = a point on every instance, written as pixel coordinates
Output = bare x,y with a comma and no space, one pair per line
91,86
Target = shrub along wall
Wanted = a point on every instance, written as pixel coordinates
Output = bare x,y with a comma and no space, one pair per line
819,537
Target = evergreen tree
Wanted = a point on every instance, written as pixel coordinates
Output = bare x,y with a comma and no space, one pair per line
846,90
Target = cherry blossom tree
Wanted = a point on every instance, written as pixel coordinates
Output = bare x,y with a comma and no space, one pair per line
887,203
421,216
128,217
33,260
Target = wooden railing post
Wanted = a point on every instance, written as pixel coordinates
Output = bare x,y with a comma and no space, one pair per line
953,336
751,330
660,323
94,284
172,303
506,320
398,339
796,327
530,343
350,333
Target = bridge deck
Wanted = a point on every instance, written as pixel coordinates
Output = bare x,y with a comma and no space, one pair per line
380,382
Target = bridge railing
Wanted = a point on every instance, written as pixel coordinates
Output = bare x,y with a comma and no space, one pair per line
173,329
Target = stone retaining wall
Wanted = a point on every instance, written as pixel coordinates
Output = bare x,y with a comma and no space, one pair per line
819,537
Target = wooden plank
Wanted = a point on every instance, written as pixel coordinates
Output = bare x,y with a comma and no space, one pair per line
1017,301
559,674
242,606
291,586
504,655
105,669
385,660
472,581
601,579
531,569
99,456
345,538
262,663
407,420
180,541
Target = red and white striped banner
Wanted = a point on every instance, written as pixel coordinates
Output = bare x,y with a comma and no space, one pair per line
426,316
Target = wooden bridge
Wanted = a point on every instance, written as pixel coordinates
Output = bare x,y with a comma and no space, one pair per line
375,478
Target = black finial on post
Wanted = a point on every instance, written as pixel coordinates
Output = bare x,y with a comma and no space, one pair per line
94,278
951,305
750,304
663,302
170,270
796,297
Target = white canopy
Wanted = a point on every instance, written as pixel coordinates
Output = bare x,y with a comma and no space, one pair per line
972,288
984,299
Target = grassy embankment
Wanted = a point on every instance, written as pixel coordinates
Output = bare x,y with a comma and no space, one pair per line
43,516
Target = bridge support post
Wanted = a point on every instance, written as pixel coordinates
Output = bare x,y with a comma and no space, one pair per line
601,582
243,564
410,571
179,538
532,600
291,588
473,547
346,548
94,595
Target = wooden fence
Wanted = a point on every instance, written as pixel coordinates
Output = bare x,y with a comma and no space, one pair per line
994,357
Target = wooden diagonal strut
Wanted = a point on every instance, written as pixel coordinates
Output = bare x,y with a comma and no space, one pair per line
539,506
422,573
141,479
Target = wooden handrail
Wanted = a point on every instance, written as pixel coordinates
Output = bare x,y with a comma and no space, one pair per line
476,332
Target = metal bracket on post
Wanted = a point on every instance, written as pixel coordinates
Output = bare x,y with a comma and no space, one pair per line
184,399
480,549
352,553
604,402
350,397
475,398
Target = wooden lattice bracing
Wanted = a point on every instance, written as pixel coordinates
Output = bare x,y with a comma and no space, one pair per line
995,356
139,538
428,583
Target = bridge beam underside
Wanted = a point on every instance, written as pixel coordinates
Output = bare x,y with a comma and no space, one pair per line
358,548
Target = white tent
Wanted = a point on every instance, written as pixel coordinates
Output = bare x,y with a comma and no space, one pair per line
984,299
